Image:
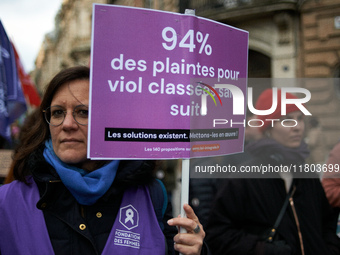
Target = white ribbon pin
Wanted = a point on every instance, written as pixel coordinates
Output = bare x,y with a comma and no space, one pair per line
129,216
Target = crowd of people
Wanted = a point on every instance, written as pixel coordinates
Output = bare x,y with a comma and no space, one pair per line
59,202
279,214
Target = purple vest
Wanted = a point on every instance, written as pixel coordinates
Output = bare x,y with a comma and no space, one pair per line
23,230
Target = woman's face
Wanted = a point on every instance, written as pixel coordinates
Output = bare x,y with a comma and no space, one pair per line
290,137
70,138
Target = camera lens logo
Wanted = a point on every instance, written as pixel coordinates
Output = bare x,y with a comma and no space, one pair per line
204,97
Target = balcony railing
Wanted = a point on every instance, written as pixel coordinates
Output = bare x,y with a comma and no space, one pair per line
212,6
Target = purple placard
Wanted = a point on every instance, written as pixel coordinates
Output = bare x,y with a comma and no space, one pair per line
145,96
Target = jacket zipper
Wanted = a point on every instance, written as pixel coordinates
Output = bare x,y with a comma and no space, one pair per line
291,201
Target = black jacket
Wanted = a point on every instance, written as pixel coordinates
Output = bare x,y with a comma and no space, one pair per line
245,209
63,215
202,191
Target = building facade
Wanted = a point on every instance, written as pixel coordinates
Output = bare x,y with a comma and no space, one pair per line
320,58
287,39
70,42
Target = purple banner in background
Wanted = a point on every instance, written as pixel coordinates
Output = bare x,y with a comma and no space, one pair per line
150,74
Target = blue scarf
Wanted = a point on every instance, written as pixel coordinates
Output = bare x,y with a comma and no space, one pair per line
86,187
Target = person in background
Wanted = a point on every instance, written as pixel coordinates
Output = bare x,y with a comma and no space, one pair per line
202,191
331,181
25,129
316,142
331,178
63,203
4,144
273,213
15,132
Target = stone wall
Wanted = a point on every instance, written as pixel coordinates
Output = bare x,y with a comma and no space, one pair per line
320,58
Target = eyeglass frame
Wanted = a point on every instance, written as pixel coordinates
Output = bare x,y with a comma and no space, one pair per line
47,111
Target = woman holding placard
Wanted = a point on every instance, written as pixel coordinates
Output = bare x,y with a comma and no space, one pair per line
64,203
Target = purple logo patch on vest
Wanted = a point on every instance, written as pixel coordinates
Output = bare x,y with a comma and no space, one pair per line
129,217
136,230
127,238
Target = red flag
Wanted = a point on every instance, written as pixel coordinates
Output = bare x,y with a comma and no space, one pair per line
29,89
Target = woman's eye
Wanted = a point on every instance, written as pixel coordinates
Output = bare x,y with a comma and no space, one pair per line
57,114
83,113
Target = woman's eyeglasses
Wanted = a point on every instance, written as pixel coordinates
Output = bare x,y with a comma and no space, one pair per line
55,115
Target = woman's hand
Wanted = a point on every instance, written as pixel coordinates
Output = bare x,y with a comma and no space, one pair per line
189,243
